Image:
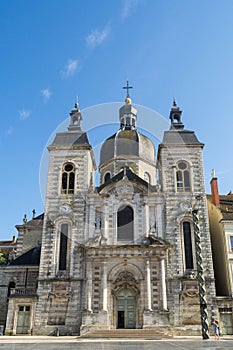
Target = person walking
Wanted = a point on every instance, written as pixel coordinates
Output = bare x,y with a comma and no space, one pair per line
216,330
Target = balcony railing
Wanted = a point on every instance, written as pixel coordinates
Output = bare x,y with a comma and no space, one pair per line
23,292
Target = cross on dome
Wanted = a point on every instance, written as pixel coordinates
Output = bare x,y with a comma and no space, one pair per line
127,87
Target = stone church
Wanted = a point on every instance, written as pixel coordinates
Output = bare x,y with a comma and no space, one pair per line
122,255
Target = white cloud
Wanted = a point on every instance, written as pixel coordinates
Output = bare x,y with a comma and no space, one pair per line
9,131
46,94
24,114
128,7
96,37
70,68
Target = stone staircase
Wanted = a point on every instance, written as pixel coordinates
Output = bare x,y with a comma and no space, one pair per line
160,332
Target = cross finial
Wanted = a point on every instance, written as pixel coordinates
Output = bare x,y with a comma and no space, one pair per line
76,103
127,87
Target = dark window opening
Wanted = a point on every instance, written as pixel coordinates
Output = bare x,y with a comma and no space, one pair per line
10,286
182,177
68,179
188,245
179,180
231,240
125,224
71,181
107,177
63,247
121,319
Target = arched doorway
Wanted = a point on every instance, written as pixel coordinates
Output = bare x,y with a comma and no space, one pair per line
126,309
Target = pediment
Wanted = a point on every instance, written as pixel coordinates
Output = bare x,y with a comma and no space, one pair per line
124,188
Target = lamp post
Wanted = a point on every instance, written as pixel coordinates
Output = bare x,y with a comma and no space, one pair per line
200,276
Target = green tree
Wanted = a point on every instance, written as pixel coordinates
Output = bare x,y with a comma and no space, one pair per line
3,258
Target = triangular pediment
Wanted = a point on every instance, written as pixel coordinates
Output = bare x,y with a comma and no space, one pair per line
125,182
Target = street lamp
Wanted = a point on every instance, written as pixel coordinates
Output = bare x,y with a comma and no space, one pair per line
200,275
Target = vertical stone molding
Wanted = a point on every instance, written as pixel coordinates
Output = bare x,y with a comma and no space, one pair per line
146,224
148,276
163,285
89,286
105,287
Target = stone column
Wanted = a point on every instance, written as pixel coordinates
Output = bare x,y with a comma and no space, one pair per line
89,286
106,216
105,287
91,220
148,284
146,224
163,285
159,221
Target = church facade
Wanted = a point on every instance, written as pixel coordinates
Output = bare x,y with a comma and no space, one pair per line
123,255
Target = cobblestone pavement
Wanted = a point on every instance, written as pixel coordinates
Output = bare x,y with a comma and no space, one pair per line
70,343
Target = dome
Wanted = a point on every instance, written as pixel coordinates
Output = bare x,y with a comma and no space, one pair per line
127,144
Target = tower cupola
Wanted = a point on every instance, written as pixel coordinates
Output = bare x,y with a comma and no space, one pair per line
75,118
127,113
175,116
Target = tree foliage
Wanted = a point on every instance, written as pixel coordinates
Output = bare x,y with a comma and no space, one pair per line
3,258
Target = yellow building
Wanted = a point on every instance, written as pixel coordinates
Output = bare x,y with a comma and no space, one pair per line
220,209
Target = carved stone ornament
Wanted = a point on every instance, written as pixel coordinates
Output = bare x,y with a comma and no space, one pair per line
116,290
125,276
94,242
61,291
190,289
124,187
153,240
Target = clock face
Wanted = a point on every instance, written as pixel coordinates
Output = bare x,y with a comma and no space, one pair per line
65,208
186,206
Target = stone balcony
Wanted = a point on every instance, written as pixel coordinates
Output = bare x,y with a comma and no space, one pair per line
23,292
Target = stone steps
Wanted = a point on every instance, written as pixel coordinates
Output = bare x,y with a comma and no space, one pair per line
159,332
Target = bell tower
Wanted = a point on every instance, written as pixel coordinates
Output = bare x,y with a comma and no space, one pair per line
70,178
181,177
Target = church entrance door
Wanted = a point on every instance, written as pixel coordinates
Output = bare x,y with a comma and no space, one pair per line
126,309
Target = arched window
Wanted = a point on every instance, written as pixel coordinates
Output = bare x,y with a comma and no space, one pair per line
125,224
68,178
10,286
182,177
107,177
63,247
147,177
188,245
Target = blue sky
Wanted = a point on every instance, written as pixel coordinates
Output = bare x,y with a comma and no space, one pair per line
52,51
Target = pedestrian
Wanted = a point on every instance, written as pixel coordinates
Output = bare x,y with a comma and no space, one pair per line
216,330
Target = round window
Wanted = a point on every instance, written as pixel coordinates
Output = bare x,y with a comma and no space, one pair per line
182,165
69,167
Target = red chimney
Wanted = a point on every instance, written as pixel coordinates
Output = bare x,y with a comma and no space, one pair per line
214,190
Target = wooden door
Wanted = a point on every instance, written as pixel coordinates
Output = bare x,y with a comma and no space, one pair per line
126,309
23,324
226,323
